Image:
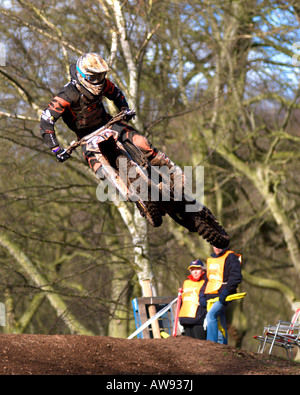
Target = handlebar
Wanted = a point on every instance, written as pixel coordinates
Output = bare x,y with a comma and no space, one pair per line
125,115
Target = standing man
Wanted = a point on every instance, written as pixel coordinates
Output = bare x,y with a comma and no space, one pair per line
192,312
223,277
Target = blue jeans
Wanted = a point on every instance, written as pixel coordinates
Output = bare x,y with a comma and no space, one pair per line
217,312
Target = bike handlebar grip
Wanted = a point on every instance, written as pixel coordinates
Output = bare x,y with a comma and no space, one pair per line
128,114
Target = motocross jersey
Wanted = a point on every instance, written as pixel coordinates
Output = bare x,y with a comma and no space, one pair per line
80,110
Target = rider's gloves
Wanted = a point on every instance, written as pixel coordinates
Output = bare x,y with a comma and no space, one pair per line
60,154
129,114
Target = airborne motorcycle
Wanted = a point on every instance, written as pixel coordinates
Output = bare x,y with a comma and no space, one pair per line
152,189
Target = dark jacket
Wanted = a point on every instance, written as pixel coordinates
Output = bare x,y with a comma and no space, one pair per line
80,110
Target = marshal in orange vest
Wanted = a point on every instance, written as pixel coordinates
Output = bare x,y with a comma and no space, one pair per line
215,272
190,298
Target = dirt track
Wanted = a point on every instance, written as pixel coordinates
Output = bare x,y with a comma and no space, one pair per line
98,355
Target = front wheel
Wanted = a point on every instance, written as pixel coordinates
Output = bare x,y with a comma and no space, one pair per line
148,209
151,212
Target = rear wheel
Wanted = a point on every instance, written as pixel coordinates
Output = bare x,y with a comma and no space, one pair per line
202,222
209,228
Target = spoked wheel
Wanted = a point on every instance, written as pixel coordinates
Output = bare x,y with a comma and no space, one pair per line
209,228
202,222
148,209
151,212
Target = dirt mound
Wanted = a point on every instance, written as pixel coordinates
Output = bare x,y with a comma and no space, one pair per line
99,355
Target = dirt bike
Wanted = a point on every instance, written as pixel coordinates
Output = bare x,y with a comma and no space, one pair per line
152,190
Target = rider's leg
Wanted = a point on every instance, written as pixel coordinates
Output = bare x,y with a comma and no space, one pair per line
92,161
176,174
160,159
154,156
127,132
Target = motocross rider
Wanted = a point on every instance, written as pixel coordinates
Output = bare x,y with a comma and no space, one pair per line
80,104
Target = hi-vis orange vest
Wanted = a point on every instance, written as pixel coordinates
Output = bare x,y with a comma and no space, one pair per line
215,272
190,298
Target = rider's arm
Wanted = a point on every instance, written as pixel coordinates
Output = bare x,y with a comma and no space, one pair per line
112,92
58,105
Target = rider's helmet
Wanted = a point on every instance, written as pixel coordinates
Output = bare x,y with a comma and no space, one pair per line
91,72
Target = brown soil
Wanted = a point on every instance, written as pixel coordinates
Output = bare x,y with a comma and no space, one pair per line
99,355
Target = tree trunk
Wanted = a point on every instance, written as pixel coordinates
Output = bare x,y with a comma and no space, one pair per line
119,294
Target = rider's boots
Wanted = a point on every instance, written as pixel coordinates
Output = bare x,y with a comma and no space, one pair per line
176,174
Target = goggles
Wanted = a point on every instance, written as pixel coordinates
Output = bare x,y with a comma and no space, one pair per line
95,78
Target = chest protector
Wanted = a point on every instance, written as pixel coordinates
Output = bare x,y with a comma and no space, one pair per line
215,272
190,298
89,109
